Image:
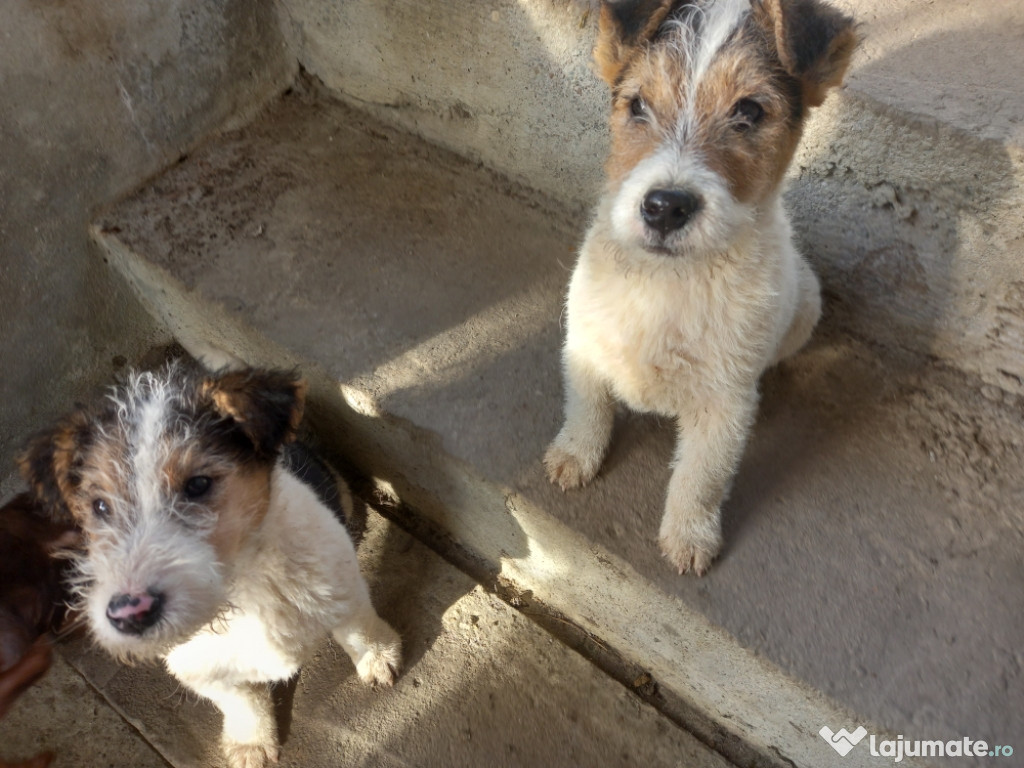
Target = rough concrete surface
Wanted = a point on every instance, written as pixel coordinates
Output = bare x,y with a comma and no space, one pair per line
909,187
874,531
98,95
482,685
62,714
506,82
956,62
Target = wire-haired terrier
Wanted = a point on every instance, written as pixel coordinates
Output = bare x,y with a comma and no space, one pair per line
688,284
204,546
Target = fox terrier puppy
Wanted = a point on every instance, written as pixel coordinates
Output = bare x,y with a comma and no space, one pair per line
203,545
688,284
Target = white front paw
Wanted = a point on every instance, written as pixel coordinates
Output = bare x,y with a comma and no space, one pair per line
568,470
691,540
250,755
381,664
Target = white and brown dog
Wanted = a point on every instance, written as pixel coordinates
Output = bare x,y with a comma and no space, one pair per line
688,284
203,545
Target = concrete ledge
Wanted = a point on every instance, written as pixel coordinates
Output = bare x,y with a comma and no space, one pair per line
908,190
872,526
739,704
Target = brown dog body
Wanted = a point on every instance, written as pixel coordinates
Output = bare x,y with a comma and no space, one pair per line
32,599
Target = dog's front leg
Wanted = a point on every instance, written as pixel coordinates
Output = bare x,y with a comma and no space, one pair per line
710,443
576,453
249,737
374,647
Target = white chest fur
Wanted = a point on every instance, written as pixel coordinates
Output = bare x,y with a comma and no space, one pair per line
664,332
236,650
289,587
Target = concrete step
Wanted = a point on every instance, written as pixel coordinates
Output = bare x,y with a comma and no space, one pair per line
64,715
908,189
874,530
483,686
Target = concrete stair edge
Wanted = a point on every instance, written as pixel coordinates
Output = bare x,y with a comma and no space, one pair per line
737,703
873,190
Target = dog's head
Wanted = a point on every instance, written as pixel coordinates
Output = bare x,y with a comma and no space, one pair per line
708,103
166,477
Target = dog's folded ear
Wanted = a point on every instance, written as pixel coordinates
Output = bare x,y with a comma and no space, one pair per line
265,405
626,25
814,42
51,461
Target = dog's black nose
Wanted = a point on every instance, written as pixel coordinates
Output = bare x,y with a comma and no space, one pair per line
667,210
134,614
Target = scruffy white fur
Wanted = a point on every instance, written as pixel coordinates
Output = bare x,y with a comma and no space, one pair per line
686,338
295,580
680,315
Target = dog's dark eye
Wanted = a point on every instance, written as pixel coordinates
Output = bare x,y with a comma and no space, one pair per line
746,114
100,508
638,109
197,487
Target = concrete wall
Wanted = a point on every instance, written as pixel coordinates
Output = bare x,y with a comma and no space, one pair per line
97,95
909,201
508,83
908,191
917,229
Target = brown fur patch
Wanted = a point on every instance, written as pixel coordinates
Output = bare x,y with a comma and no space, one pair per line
623,30
102,475
66,457
187,460
51,460
752,161
240,501
630,144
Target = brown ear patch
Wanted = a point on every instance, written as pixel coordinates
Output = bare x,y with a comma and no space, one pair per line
624,27
51,461
814,42
241,505
266,406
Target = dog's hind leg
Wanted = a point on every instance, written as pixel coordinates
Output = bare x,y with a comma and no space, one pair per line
710,443
808,311
374,647
576,453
